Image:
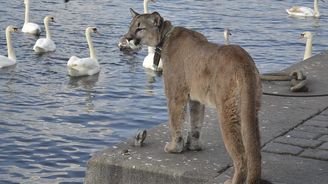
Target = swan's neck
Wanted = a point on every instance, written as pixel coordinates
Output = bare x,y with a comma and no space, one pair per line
226,38
145,5
27,11
46,25
151,50
308,49
90,44
11,52
316,8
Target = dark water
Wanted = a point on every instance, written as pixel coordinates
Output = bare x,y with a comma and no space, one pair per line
51,123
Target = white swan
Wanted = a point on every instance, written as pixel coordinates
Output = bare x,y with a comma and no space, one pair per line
308,46
11,59
226,34
149,59
29,27
84,66
45,44
302,11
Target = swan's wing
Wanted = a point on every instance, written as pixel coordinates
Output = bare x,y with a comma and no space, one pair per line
300,11
71,66
88,63
307,11
5,61
44,45
84,66
149,61
72,60
31,28
93,67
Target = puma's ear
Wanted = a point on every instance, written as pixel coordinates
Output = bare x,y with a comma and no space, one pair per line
158,20
133,13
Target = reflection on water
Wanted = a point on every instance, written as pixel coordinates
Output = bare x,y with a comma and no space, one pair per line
51,123
87,83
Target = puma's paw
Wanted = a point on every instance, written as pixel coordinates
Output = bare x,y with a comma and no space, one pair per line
229,181
174,146
193,143
194,147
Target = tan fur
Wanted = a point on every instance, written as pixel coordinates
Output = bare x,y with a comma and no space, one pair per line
202,73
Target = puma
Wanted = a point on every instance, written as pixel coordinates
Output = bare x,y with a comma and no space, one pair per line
199,73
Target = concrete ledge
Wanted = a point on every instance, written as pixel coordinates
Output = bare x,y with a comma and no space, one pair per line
125,164
150,164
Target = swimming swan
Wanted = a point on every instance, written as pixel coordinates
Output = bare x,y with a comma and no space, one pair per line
11,59
149,59
84,66
45,44
308,46
226,35
302,11
29,27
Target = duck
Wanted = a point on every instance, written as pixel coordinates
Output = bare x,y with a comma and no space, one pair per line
30,27
148,61
85,66
308,46
45,44
226,35
302,11
11,59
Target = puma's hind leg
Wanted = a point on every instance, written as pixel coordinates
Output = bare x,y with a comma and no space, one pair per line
196,119
232,138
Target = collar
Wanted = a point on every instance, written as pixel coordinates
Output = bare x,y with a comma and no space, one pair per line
158,49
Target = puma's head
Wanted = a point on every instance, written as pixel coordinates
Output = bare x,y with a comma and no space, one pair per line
145,29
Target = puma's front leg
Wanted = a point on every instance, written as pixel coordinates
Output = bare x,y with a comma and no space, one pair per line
176,107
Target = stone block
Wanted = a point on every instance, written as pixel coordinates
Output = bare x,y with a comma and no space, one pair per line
323,138
317,123
304,135
315,154
320,118
324,146
282,148
324,113
305,143
312,129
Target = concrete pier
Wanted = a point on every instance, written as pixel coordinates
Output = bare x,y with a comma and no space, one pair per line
294,136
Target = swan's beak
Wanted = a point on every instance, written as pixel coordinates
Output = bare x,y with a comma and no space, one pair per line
301,36
97,32
16,29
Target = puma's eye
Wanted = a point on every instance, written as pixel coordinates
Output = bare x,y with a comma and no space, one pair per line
138,24
139,29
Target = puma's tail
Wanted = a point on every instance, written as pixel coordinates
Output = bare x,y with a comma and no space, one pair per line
250,126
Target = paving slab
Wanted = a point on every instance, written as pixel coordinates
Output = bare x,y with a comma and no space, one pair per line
279,116
288,169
